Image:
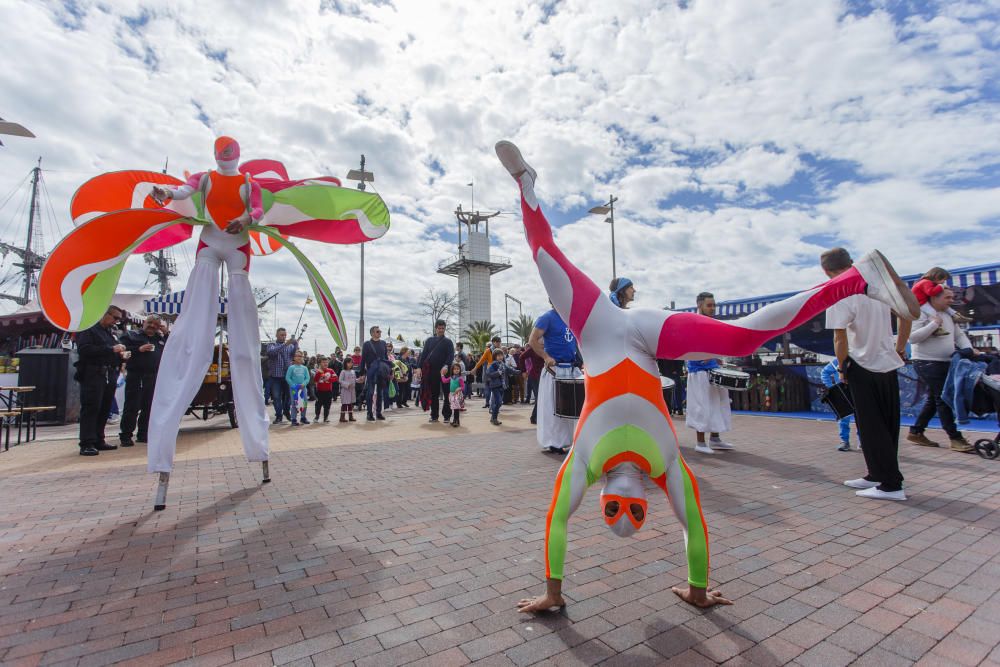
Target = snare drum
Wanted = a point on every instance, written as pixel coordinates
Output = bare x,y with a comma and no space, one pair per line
729,378
569,392
838,397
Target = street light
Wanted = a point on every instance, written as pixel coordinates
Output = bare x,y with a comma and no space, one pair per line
506,317
606,209
362,177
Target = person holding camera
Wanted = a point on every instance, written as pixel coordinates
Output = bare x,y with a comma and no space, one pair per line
376,369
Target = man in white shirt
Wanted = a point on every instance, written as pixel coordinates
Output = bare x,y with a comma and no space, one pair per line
868,359
934,339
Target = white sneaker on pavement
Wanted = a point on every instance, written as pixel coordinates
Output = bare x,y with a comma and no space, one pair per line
885,285
703,449
860,483
881,495
719,444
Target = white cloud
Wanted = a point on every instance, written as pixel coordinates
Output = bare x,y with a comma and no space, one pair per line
644,99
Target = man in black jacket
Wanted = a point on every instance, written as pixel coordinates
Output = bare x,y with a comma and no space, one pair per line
146,347
375,369
97,373
437,353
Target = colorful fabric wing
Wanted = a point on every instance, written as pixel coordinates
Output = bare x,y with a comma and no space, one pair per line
80,276
327,304
121,190
320,210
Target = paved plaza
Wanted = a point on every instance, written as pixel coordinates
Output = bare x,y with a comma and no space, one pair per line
410,543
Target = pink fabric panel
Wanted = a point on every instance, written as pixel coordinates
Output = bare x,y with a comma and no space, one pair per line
168,237
585,292
686,333
327,231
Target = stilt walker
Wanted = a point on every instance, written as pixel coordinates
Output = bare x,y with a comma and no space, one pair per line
243,210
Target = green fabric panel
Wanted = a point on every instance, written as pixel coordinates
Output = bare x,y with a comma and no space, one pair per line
555,539
320,288
697,545
625,438
324,202
97,297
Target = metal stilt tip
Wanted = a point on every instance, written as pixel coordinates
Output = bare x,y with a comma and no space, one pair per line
161,492
267,473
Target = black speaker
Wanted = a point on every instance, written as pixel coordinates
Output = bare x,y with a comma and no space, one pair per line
50,372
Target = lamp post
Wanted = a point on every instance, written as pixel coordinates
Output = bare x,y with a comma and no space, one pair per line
609,210
362,177
506,317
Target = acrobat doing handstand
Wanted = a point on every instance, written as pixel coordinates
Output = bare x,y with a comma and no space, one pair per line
625,433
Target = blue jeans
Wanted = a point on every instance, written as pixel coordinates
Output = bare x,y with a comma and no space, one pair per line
496,400
281,397
845,429
375,390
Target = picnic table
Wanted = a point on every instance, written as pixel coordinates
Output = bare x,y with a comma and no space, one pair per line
13,410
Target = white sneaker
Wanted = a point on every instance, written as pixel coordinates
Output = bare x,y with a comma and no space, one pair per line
885,285
860,483
703,449
881,495
512,160
719,444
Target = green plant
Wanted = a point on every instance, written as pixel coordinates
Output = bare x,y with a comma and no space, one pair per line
521,327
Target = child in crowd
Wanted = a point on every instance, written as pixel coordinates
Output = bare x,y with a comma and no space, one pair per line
455,382
830,375
930,284
297,377
348,381
496,383
359,398
324,379
415,387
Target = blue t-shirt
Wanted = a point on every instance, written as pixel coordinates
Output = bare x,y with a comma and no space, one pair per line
706,365
560,344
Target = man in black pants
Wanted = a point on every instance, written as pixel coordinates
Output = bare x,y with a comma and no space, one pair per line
437,353
375,369
862,340
146,348
97,373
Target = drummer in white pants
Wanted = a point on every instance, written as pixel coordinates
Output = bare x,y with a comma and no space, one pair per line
555,343
708,406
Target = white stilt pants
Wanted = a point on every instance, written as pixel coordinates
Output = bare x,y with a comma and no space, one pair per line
188,354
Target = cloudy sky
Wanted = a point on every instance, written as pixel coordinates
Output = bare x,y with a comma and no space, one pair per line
742,137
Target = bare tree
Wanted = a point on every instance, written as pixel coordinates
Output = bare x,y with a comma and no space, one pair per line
438,305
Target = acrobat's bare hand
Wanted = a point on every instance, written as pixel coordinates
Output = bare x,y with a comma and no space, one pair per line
540,603
160,195
699,597
237,225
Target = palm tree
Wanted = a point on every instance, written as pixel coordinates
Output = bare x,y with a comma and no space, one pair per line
522,326
478,334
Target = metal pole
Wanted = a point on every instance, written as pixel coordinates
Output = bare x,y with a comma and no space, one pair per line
506,319
361,327
614,270
29,264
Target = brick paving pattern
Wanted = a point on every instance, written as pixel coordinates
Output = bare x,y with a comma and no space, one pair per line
410,543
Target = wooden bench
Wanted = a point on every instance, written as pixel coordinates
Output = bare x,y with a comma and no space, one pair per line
27,417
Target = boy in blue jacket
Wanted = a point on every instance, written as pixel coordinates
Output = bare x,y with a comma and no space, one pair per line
496,383
830,375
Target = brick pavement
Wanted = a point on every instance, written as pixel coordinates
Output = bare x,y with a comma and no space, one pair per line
407,543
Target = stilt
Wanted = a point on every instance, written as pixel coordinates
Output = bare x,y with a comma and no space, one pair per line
267,473
161,492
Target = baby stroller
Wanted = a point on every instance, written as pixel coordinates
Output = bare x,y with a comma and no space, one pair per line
986,399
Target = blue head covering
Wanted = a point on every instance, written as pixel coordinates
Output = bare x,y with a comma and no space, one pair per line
620,284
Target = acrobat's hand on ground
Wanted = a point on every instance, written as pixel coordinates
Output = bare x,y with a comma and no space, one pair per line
540,603
698,597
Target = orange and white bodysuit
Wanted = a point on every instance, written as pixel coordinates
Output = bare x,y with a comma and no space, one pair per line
624,432
190,346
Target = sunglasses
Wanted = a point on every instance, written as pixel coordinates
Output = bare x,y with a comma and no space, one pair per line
615,506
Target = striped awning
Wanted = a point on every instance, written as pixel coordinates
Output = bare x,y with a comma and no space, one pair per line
986,274
171,304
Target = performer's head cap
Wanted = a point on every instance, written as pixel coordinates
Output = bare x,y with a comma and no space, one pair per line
227,149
